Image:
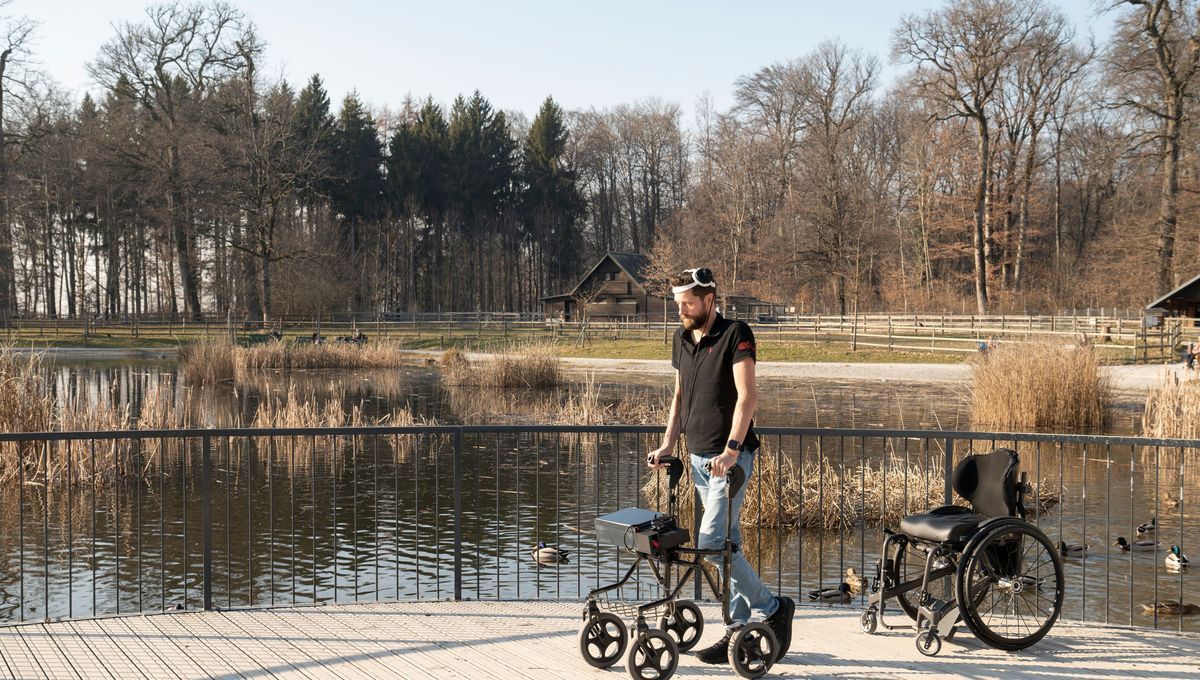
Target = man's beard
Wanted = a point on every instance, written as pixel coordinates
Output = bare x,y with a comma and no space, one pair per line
694,323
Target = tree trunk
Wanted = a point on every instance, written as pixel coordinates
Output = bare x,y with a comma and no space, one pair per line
184,243
1167,217
981,217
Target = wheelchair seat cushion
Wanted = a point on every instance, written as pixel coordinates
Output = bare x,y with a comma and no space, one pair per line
949,523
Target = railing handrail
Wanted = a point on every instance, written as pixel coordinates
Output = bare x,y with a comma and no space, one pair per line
370,430
210,471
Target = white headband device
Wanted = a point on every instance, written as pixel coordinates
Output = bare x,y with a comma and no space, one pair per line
676,290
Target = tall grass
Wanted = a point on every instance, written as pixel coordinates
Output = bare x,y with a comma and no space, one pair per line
217,360
279,355
526,365
209,361
27,404
1172,409
1040,384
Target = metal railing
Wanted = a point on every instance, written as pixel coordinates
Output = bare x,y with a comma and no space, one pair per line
138,521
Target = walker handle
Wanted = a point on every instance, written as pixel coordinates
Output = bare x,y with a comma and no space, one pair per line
674,469
736,478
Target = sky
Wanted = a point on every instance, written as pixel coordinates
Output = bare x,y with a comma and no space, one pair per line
584,54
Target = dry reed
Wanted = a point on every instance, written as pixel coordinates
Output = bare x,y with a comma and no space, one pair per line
1172,409
822,497
1040,384
285,356
209,360
530,365
217,360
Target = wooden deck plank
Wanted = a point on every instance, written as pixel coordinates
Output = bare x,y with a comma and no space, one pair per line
183,636
142,647
404,659
533,640
21,663
41,645
306,643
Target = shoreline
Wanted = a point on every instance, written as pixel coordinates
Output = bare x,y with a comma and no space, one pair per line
1124,378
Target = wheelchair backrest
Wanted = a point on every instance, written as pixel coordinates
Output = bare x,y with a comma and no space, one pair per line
989,483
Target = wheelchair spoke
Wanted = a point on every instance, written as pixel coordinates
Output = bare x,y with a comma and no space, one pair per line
1033,604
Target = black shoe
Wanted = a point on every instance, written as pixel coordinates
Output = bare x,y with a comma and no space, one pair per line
781,624
718,652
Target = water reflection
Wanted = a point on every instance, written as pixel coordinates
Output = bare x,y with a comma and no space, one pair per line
322,519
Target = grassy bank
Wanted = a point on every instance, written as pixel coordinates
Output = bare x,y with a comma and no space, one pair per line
769,350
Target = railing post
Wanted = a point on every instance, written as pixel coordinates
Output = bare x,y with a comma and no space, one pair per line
697,515
206,518
949,471
458,564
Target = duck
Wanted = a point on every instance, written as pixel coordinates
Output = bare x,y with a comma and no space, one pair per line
1136,546
1171,607
1070,550
838,595
1169,500
854,580
544,554
1148,527
1176,559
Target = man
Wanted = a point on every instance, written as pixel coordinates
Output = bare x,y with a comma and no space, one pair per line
715,397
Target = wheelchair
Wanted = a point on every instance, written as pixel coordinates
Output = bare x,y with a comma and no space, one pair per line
658,541
984,566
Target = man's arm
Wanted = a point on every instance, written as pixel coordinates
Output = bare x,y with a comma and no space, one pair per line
743,413
671,437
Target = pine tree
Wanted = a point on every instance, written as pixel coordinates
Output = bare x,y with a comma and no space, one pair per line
356,182
551,205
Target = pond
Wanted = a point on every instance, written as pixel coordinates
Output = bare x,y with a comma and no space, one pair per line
363,518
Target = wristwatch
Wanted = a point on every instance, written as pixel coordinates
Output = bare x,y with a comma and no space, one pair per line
734,445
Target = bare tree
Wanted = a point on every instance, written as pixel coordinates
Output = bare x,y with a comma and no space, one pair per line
1153,60
771,104
837,85
170,63
15,83
961,51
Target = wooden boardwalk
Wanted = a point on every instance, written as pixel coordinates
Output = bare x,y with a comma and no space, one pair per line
528,640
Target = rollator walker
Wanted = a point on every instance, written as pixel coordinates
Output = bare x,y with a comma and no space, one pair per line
658,541
984,566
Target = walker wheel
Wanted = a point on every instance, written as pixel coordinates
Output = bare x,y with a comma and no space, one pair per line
685,625
869,621
752,650
602,639
653,656
928,643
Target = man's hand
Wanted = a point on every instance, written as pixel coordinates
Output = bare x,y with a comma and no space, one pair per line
723,463
653,457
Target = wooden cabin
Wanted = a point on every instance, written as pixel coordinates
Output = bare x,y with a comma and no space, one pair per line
1184,301
618,289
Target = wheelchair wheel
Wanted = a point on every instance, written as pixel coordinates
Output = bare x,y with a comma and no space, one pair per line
602,639
653,656
752,650
909,564
1009,584
685,626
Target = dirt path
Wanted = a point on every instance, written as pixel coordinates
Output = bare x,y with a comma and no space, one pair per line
1125,378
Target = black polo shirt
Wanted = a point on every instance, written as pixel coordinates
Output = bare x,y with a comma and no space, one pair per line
708,394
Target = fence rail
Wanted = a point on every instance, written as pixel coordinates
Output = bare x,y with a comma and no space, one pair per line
116,522
1121,335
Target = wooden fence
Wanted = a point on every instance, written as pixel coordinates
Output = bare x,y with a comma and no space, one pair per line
1128,337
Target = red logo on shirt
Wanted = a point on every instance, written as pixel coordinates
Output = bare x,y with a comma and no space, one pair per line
745,345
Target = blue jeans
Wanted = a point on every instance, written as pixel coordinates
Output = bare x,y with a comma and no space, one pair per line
746,589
